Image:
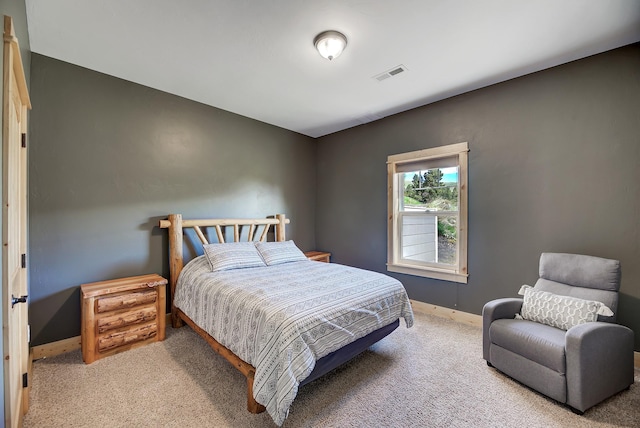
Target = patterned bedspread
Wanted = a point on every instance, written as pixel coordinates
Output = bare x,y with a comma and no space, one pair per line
283,318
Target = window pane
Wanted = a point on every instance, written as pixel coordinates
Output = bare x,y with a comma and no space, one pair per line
419,238
431,190
430,238
447,239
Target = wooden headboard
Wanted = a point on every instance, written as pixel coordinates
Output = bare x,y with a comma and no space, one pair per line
177,226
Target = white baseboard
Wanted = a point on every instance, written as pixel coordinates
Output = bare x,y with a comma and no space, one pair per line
452,314
71,344
56,348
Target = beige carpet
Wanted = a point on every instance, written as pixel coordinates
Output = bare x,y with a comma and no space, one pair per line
431,375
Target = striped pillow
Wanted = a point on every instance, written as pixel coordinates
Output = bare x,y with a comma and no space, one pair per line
233,255
275,253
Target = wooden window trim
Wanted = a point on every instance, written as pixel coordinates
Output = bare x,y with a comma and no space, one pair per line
459,275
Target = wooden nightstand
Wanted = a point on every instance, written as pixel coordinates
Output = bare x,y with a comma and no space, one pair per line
319,256
121,314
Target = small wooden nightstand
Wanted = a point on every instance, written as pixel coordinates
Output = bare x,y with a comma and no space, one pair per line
121,314
319,256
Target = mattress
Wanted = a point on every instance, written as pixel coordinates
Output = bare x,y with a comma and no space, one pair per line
281,319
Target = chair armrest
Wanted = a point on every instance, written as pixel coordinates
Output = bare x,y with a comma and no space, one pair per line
599,362
493,310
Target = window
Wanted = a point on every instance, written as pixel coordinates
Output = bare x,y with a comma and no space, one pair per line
427,197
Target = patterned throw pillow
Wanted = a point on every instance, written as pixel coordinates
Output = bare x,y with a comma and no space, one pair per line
275,253
233,255
559,311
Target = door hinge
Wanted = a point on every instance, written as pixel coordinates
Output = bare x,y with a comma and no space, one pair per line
25,380
23,261
24,139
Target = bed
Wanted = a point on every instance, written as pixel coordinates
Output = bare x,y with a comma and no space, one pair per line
283,322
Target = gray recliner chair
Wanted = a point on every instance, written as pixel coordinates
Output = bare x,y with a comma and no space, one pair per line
579,367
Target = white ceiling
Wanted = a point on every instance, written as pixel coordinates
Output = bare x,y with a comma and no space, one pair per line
256,57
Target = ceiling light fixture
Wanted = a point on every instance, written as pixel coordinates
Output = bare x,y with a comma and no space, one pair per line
330,44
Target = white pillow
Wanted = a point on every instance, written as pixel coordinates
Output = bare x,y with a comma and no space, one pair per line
559,311
232,255
275,253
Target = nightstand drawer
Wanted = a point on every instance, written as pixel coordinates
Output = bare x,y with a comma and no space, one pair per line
126,337
126,300
133,317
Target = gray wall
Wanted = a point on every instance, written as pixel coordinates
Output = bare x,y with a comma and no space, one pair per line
109,158
17,11
554,165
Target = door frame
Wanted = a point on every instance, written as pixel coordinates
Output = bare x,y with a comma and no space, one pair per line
15,321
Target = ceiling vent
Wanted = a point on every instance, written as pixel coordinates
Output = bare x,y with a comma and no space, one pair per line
390,73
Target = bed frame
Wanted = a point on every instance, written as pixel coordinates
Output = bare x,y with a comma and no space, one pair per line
177,226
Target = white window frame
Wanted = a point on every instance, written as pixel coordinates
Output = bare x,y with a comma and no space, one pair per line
395,263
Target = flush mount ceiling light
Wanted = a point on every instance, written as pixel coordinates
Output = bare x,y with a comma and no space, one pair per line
330,44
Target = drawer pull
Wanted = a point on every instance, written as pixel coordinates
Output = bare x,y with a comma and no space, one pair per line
114,340
124,301
127,318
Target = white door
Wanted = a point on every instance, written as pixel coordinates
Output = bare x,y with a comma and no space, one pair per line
14,227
